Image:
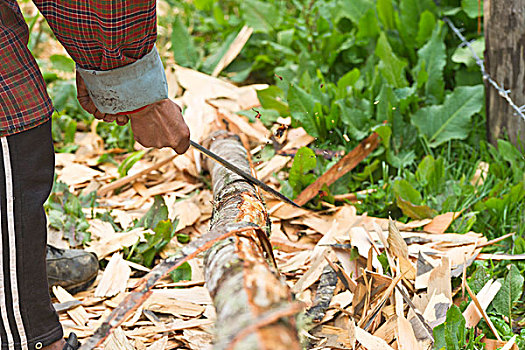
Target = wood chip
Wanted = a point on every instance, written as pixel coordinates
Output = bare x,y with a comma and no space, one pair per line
77,314
115,277
369,341
118,341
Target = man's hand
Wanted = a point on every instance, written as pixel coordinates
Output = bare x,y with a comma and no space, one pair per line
161,125
158,125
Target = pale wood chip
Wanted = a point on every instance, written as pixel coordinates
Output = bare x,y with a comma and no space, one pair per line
369,341
77,314
115,277
118,341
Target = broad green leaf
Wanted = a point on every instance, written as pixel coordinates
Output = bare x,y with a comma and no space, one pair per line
301,174
385,132
368,26
451,120
385,12
352,118
302,109
262,16
451,334
478,279
347,81
129,162
183,48
353,9
272,98
439,337
156,213
430,173
203,5
181,273
427,23
410,13
473,8
434,55
454,328
464,55
409,200
391,67
285,37
510,292
62,63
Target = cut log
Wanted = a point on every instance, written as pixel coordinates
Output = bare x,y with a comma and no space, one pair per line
253,304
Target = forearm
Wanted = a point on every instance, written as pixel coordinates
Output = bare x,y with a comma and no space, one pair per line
113,46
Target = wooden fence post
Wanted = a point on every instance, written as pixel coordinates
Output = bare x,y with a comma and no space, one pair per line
505,62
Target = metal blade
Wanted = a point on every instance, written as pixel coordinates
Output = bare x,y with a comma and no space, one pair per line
241,173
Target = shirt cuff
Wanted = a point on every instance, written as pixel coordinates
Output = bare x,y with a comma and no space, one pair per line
127,88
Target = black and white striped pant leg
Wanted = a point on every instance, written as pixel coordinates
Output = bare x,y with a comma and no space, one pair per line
28,320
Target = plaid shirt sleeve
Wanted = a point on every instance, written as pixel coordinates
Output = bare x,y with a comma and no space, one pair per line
100,35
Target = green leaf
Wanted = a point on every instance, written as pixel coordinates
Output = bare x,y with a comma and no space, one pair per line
183,238
262,16
409,200
391,67
451,334
62,63
510,292
347,81
301,174
473,8
158,212
411,15
434,55
129,162
427,23
368,26
352,118
353,9
184,50
385,132
181,273
385,12
203,5
451,120
464,55
272,98
302,109
478,279
431,174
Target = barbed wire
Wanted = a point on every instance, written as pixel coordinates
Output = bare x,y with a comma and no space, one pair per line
501,90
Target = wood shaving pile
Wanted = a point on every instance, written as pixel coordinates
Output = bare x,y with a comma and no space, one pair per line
330,259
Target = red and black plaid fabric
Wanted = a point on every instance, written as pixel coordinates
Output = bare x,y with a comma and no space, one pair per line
98,34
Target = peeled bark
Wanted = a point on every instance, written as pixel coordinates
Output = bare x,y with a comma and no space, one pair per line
253,304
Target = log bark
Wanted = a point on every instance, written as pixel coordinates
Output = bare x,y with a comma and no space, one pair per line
505,63
253,304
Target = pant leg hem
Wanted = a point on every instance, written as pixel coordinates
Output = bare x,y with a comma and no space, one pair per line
43,340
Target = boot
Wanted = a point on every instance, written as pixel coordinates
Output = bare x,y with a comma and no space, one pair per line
72,269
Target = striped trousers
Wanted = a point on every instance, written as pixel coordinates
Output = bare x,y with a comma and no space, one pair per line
28,320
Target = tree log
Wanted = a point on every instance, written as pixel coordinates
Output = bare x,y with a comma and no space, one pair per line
505,63
253,304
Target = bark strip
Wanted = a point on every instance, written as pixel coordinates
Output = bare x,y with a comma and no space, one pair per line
240,274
